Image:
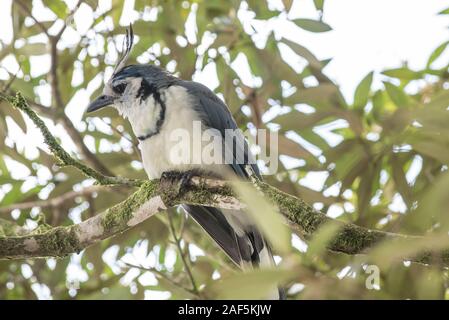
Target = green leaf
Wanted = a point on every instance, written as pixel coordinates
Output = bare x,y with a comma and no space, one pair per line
362,91
320,97
13,195
295,120
265,216
445,11
319,4
437,53
287,4
403,73
400,181
33,49
58,7
367,186
305,53
433,150
261,9
439,101
322,237
396,94
256,284
312,25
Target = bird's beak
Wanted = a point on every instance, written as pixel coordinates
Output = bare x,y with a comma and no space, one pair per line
100,102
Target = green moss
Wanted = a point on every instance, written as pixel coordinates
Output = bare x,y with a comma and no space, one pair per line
63,156
354,239
351,239
8,228
203,193
295,209
118,216
42,225
9,247
59,241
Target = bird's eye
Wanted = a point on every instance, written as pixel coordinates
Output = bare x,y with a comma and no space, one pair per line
119,88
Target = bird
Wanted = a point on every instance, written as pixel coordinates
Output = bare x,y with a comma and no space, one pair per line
157,103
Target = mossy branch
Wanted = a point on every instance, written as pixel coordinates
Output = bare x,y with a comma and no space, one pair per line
158,195
63,156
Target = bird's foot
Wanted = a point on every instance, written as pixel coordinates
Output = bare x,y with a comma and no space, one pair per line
181,179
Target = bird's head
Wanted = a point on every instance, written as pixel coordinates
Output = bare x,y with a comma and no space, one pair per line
130,85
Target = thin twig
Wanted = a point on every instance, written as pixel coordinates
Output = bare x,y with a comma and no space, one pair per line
122,135
28,11
178,245
69,16
77,139
11,81
62,155
162,275
53,202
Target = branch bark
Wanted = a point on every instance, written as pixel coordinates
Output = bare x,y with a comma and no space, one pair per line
63,156
53,202
158,195
55,112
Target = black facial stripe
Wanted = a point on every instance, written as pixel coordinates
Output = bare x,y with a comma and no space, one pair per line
119,88
143,93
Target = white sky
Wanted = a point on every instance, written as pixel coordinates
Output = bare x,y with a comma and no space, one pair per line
367,35
375,35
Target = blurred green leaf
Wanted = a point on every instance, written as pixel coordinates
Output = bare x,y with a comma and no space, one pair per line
312,25
437,53
362,91
397,95
319,4
58,7
255,284
322,238
445,11
403,73
265,216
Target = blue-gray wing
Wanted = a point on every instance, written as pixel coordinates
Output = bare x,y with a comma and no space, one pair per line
215,114
238,237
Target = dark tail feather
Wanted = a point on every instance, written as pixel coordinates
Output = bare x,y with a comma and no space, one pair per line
248,248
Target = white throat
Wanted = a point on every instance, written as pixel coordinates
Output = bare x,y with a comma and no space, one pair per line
143,114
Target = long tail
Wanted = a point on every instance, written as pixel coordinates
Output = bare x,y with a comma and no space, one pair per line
237,236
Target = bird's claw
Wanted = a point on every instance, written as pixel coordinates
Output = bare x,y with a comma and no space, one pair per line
181,179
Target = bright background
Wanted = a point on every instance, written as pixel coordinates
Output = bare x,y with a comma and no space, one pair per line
366,36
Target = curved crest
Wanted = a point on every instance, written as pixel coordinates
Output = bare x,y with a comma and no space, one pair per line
126,49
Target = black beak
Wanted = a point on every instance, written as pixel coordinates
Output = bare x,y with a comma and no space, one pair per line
100,102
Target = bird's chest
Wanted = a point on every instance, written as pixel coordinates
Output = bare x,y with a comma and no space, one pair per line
181,142
171,148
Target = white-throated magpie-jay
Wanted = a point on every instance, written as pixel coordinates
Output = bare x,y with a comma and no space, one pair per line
156,104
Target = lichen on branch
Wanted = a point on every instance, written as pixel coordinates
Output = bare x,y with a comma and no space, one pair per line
159,195
63,156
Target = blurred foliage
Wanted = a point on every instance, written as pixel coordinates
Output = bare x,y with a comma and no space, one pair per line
385,168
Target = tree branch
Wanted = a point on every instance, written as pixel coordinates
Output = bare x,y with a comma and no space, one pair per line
181,253
58,104
159,195
77,139
65,159
27,10
53,202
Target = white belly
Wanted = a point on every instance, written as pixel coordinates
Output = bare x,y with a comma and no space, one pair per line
179,145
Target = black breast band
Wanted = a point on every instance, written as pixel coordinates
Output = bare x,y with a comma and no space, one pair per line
146,89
